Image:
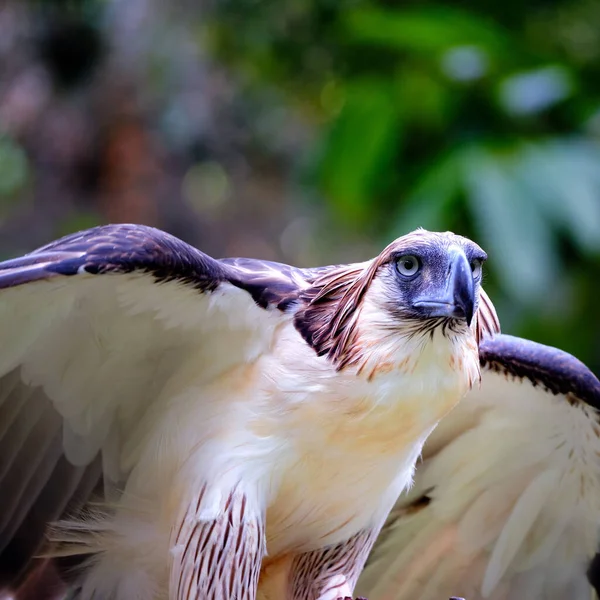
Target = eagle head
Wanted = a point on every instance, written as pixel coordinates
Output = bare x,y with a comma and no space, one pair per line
423,288
425,280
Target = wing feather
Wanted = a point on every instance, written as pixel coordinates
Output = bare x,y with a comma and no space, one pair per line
66,489
18,505
95,327
24,422
506,504
517,526
26,463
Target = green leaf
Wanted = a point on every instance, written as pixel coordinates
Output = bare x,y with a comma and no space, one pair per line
427,30
518,239
359,147
423,97
427,205
564,181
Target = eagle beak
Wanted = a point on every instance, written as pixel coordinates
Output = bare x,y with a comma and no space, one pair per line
458,302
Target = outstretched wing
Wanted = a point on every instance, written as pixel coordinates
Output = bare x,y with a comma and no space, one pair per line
506,504
92,327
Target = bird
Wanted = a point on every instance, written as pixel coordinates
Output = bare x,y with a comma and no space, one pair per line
174,426
506,501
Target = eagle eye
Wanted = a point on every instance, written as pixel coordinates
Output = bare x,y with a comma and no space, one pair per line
476,267
408,265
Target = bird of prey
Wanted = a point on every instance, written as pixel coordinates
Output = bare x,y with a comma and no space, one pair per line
250,424
506,503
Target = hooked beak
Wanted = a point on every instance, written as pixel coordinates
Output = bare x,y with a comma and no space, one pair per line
458,302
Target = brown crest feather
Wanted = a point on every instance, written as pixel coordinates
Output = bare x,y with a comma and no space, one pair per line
328,319
488,324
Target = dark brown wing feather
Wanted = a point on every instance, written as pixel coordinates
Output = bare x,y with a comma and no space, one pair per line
548,367
114,249
328,313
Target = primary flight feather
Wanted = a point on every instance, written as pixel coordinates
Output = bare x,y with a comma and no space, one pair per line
242,427
506,504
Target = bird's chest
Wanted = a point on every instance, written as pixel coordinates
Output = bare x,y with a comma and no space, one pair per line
347,444
343,474
326,498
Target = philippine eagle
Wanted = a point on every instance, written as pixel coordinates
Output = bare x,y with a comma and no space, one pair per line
247,425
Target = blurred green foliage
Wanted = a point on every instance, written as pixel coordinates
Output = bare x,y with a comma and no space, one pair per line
13,169
481,117
476,116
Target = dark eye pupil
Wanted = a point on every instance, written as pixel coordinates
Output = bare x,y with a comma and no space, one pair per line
407,265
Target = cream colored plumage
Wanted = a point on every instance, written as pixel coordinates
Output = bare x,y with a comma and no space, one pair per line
506,504
248,425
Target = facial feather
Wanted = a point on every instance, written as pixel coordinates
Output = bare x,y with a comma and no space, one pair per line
363,316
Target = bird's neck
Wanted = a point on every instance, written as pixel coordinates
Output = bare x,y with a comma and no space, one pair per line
420,380
399,390
420,365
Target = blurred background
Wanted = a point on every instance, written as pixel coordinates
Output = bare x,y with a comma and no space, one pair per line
316,131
